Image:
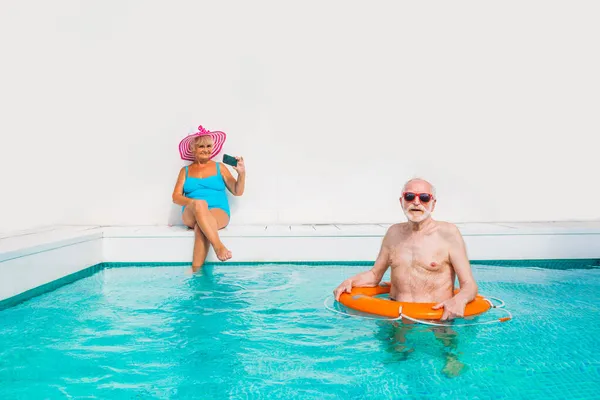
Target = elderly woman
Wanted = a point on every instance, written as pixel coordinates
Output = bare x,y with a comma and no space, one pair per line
200,189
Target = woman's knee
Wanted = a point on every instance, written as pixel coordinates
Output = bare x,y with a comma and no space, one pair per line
200,206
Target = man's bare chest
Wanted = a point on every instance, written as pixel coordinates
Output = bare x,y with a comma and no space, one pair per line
426,253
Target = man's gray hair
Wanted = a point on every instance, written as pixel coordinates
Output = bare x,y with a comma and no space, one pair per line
420,179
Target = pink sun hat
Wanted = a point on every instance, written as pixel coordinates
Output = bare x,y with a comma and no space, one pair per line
218,138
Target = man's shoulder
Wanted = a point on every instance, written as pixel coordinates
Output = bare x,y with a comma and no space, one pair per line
448,229
394,232
397,228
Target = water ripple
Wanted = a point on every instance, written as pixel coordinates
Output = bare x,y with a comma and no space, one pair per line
262,332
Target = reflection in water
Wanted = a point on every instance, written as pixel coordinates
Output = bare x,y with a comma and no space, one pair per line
263,332
397,337
403,338
212,334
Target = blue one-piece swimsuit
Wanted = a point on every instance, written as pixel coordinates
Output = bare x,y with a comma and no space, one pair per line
210,189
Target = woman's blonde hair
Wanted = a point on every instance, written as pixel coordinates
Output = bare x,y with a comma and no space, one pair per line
200,139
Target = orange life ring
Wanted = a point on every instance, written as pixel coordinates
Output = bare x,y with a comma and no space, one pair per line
361,299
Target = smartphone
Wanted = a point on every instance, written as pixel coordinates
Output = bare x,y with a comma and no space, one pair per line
227,159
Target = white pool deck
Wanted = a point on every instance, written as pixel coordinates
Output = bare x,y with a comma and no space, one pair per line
29,259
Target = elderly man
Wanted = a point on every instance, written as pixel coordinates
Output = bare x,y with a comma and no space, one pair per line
424,256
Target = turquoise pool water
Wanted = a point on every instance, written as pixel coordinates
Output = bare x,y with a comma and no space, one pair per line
263,332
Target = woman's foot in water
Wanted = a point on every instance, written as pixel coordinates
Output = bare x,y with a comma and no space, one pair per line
194,269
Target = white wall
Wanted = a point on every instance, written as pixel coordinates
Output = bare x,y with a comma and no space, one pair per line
333,104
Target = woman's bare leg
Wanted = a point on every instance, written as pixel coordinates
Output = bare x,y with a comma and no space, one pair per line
209,223
201,245
219,220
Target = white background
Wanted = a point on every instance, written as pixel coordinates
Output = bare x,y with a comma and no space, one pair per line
333,104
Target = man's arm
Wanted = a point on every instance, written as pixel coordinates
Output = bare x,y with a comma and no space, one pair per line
455,307
371,277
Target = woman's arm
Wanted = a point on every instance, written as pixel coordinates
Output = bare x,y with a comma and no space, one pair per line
178,197
235,186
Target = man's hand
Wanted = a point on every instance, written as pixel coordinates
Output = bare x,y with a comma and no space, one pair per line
453,308
345,287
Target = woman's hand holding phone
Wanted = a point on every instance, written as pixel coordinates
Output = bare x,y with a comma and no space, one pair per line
236,162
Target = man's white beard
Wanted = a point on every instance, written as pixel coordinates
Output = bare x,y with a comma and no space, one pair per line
423,217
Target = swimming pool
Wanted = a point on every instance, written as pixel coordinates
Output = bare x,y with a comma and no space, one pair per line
261,331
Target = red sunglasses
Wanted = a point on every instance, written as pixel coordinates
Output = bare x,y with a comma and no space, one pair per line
423,197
